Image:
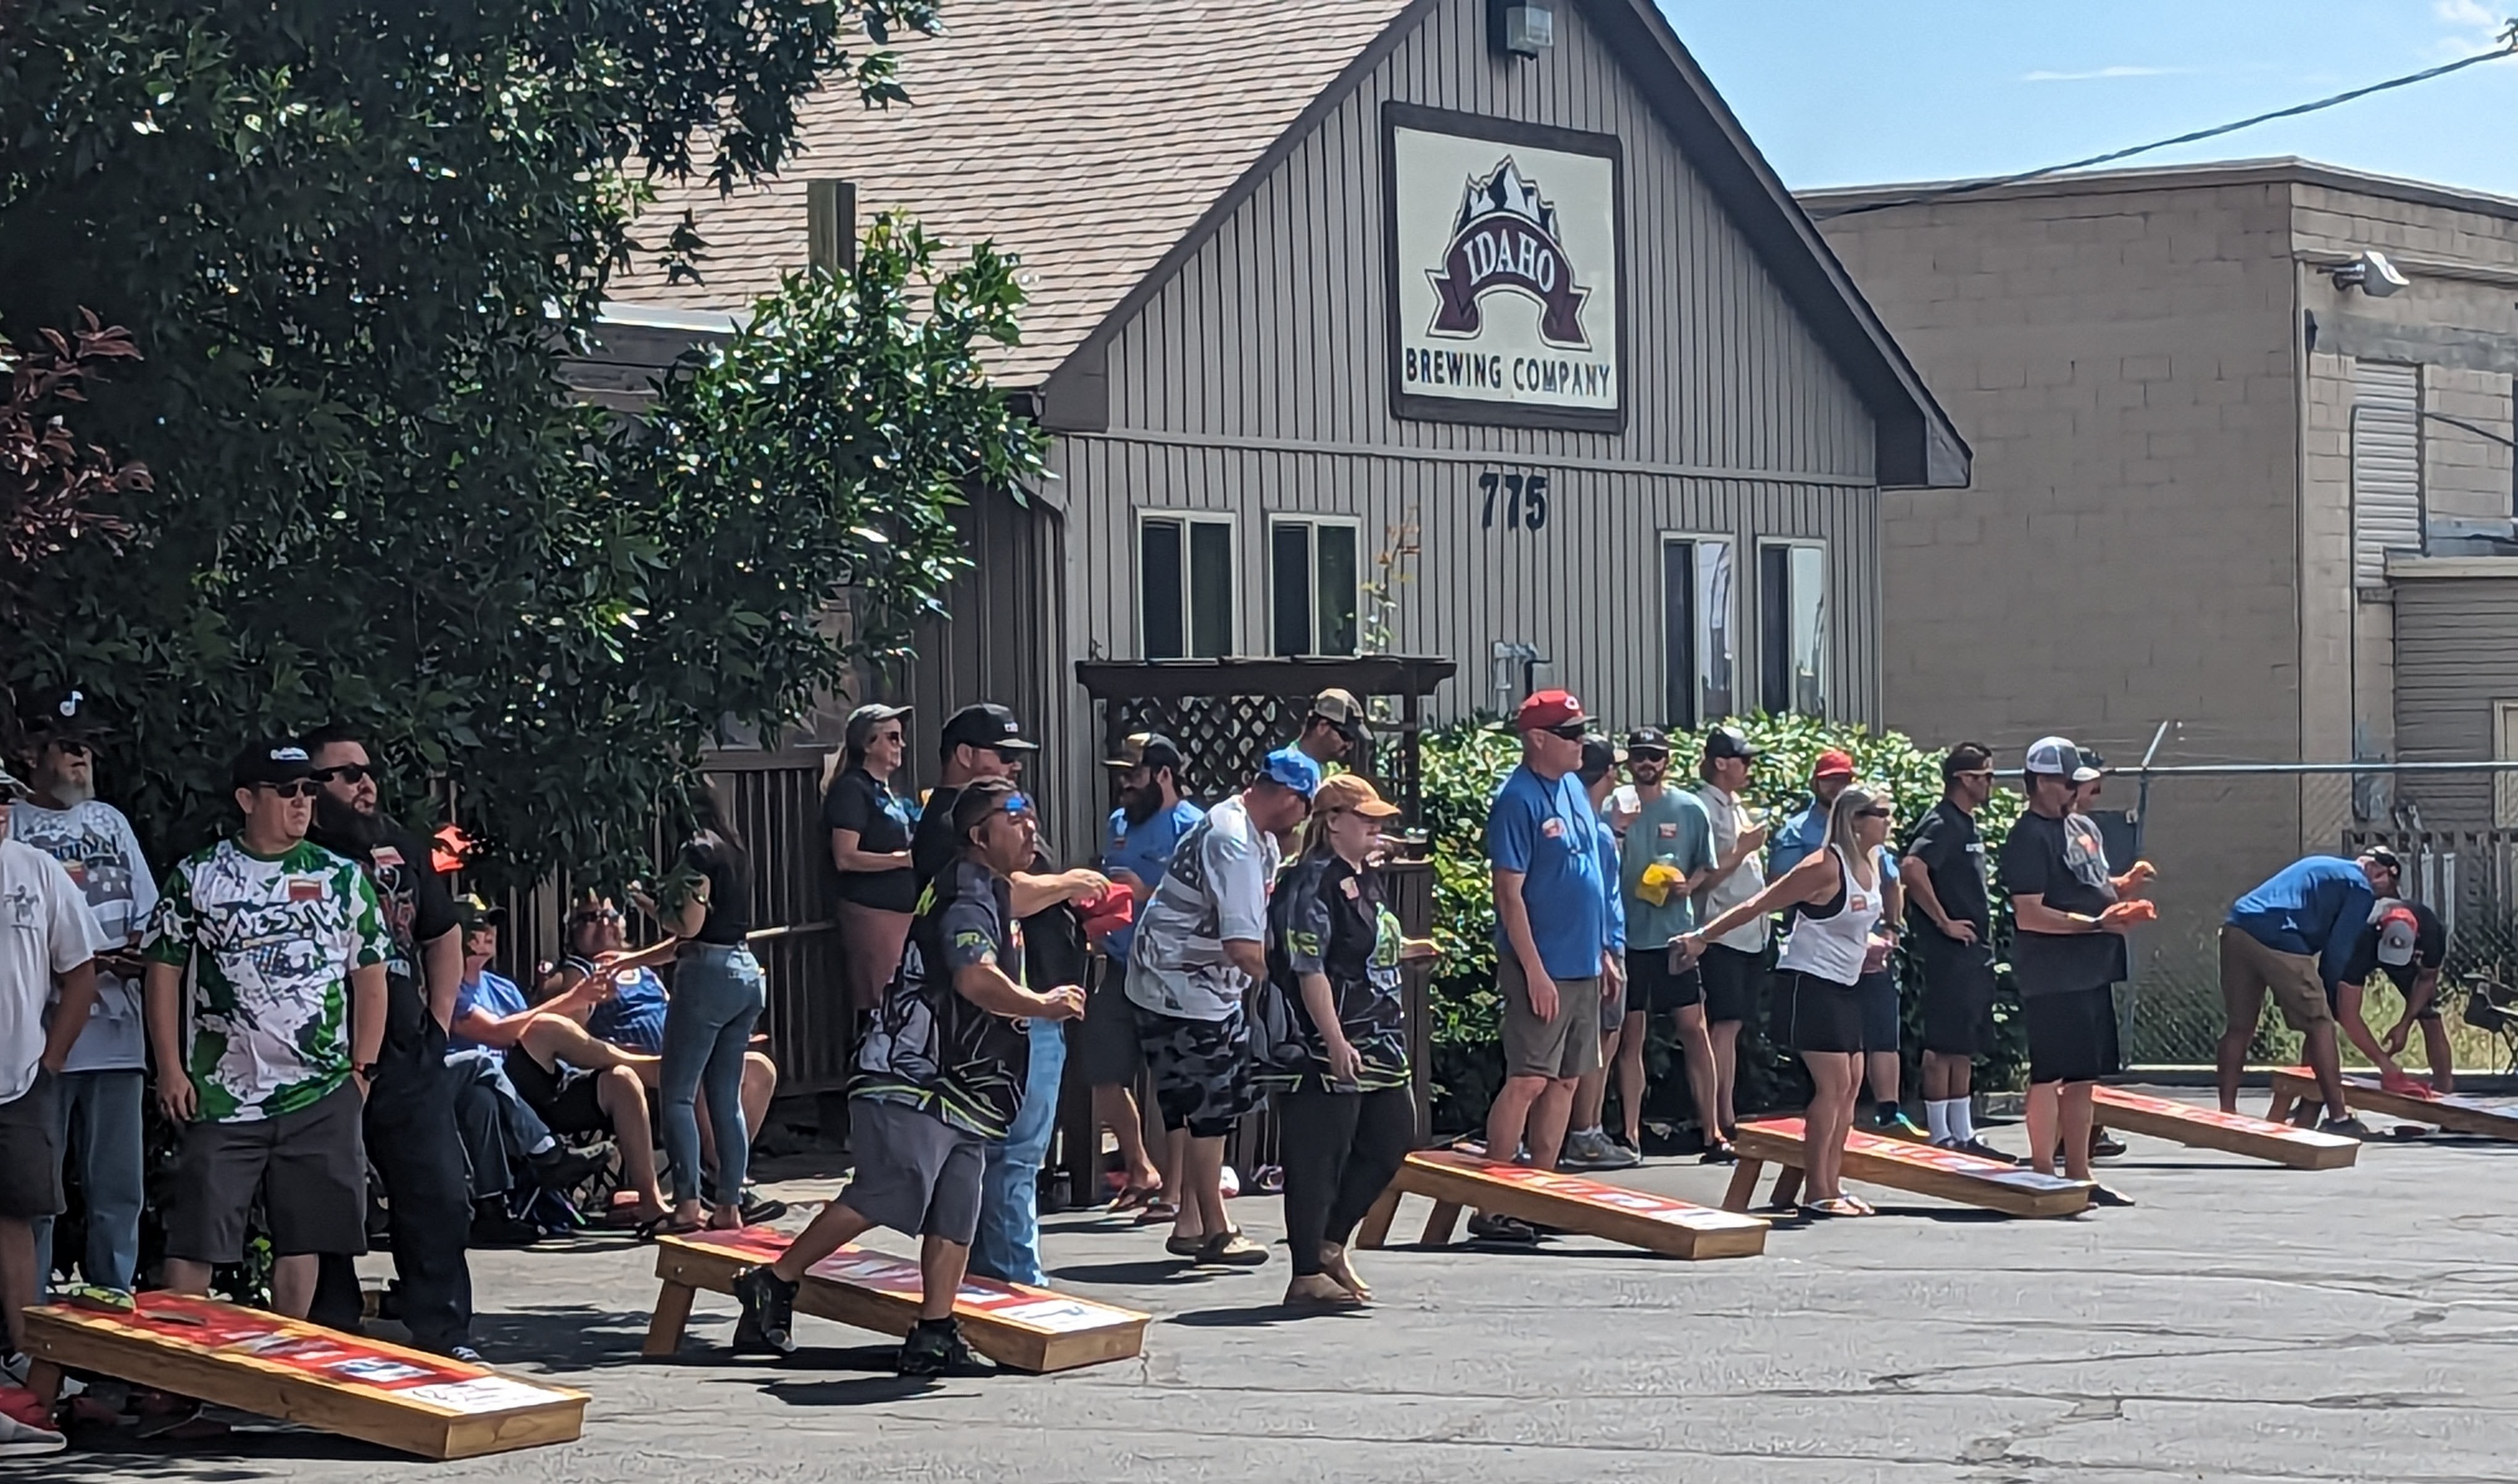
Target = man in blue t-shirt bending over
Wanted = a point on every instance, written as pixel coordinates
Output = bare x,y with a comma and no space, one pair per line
1553,939
2293,937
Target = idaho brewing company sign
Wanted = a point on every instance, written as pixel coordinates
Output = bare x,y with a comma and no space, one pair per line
1505,278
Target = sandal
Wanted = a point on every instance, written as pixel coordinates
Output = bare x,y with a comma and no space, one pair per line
1862,1207
668,1226
1158,1212
1823,1210
1133,1198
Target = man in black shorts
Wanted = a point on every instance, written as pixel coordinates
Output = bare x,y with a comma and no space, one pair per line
2409,942
1734,965
2067,954
940,1076
1665,855
1950,927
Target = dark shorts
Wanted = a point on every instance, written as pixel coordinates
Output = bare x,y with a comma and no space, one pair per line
1877,993
567,1099
1652,990
1958,995
1814,1014
1731,982
309,1166
916,1173
2072,1035
1107,1052
30,1155
1202,1068
1559,1049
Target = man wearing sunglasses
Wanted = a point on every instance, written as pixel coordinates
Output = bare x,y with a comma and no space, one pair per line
103,1082
286,1002
413,1137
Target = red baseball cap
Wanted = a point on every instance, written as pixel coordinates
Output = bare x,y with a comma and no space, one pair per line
1545,709
1832,763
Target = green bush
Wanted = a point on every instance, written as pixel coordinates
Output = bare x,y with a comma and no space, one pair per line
1464,763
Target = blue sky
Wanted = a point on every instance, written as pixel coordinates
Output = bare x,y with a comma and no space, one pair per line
1846,92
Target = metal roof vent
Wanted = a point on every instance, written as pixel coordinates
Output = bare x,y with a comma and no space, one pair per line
1521,28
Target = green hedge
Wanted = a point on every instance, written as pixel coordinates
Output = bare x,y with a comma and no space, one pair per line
1466,763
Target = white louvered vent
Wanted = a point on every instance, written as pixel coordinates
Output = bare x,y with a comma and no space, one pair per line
2386,466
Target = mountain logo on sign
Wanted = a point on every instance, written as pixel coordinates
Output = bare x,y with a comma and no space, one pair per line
1506,238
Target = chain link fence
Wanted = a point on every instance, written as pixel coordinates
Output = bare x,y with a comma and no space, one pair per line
2215,831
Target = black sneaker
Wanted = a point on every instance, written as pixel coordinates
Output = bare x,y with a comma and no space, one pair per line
936,1347
2105,1146
494,1228
769,1310
565,1169
1502,1230
2100,1194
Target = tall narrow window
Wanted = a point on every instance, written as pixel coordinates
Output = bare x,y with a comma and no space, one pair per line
2386,467
1184,585
1313,591
1792,628
1696,616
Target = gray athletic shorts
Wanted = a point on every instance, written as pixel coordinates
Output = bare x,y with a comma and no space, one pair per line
916,1173
1559,1049
310,1167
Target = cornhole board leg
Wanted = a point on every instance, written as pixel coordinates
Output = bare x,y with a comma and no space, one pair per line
2285,1100
1442,1223
1744,1184
1374,1232
673,1317
44,1379
1788,1187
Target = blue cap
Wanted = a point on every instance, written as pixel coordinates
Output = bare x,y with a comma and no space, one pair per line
1293,768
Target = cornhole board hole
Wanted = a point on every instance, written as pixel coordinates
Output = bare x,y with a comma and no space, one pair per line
1456,1182
251,1361
1025,1328
1944,1174
2231,1133
2458,1114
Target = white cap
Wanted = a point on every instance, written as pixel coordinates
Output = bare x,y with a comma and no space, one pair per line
2399,933
2056,757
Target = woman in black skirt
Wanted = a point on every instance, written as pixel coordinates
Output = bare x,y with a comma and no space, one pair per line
1841,891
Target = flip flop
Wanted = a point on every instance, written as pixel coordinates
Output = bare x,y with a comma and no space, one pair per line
1158,1212
1825,1210
1134,1197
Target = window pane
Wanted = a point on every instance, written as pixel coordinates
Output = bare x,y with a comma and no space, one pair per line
1337,589
1210,589
1714,620
1679,630
1774,630
1810,630
1290,588
1158,588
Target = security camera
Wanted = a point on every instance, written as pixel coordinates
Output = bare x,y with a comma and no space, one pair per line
2371,274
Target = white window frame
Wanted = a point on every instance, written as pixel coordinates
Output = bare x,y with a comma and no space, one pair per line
1354,523
1692,717
1186,519
1827,674
2505,747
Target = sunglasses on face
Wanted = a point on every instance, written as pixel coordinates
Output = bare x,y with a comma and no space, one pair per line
347,772
589,919
1571,732
1647,755
1973,773
300,788
891,735
70,748
1871,813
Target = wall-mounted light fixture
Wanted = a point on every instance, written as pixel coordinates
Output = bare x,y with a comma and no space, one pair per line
1522,27
2371,274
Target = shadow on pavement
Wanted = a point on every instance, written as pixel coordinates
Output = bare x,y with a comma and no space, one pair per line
106,1453
1259,1317
579,1338
1158,1271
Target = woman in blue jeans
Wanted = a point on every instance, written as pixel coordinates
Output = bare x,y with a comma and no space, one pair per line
718,994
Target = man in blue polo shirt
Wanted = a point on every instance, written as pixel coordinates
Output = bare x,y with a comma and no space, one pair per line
2293,937
1552,936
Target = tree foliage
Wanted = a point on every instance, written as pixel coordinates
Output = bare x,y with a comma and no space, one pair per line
52,483
353,239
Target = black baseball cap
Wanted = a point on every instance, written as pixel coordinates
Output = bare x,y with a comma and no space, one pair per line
1599,755
985,724
1730,742
277,760
1647,739
471,912
1147,749
64,715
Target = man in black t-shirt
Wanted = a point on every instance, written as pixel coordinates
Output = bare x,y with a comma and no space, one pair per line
2409,941
2067,953
939,1077
412,1135
1950,931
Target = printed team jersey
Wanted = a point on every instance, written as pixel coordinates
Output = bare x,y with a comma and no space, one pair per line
271,944
95,844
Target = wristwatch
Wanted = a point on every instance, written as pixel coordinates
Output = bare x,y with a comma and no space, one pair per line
366,1070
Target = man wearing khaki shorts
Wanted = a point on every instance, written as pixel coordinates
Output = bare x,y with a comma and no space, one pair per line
1552,941
2293,937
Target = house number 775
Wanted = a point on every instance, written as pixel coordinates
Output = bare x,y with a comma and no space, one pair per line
1523,495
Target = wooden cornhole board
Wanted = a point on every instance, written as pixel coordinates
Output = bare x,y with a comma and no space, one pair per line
1944,1174
1027,1328
2460,1114
1456,1182
2231,1133
302,1373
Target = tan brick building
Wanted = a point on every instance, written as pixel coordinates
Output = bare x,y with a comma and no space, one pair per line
2210,480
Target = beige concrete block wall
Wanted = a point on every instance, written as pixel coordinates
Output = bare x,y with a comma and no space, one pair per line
2465,472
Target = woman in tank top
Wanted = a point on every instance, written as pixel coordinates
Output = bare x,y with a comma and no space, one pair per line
1841,894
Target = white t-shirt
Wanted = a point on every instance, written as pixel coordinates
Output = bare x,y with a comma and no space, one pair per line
1216,889
45,930
1727,817
95,844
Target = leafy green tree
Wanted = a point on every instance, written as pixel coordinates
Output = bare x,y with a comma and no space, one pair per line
353,239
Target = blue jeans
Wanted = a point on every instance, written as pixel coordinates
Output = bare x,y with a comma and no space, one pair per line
1008,1245
98,1113
719,993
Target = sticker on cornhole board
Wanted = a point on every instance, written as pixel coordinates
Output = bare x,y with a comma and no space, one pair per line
486,1393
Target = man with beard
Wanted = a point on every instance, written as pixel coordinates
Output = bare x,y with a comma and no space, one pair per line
1145,829
413,1137
1664,858
104,1083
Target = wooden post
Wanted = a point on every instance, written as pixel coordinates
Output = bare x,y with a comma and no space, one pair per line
1375,1229
673,1314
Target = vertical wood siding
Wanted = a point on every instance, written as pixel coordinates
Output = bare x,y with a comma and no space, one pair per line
2456,653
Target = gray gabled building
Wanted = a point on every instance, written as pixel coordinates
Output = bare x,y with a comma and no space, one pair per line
1322,280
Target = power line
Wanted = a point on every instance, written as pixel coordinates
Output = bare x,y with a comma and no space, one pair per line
2508,47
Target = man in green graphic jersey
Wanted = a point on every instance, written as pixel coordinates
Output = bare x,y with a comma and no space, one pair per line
286,1011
